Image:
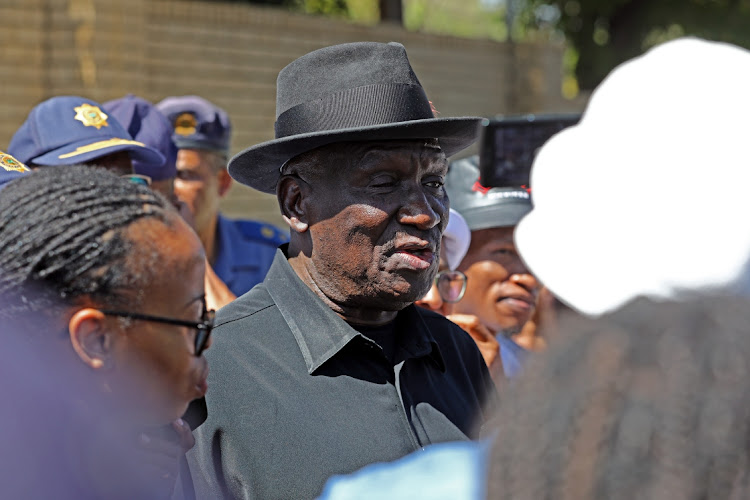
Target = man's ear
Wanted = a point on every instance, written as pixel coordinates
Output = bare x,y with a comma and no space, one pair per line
91,339
225,182
291,195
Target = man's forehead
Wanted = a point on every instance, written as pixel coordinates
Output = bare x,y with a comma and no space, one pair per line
426,150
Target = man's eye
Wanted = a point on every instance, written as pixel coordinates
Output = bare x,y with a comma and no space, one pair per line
384,182
187,175
434,184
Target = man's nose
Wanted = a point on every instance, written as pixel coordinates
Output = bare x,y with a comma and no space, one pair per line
418,211
526,280
431,300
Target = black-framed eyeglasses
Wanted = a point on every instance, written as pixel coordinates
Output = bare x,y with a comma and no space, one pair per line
451,285
203,328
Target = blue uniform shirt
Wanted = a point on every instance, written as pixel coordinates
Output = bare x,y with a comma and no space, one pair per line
244,252
513,355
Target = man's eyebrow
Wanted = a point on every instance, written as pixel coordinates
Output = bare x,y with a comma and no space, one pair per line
201,297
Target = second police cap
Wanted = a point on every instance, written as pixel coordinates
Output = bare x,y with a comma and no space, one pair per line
10,169
147,125
197,123
66,130
482,207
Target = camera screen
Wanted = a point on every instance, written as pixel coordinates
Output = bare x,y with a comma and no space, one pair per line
509,145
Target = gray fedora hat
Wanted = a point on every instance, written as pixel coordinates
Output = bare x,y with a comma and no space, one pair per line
362,91
483,207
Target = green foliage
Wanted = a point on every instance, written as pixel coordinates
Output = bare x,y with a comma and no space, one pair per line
463,18
336,8
605,33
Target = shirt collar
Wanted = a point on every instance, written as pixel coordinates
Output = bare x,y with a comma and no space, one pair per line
321,333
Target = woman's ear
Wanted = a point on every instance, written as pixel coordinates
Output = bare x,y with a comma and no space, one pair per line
291,195
91,339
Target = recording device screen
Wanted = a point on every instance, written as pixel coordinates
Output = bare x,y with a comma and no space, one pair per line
509,144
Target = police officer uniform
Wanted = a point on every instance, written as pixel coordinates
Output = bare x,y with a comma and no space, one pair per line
244,248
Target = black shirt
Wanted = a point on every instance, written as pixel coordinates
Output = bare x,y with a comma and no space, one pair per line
297,395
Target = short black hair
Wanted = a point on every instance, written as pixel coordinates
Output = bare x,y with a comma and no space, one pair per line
62,237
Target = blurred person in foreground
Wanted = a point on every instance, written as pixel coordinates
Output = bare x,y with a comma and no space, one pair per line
327,365
239,251
501,293
649,401
70,130
103,326
146,124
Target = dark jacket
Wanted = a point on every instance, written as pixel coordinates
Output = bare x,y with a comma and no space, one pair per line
297,395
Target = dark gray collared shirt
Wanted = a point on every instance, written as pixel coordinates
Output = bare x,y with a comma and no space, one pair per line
297,395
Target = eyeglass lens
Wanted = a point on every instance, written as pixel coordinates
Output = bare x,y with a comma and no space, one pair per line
451,285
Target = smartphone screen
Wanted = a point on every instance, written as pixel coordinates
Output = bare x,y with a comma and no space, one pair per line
508,146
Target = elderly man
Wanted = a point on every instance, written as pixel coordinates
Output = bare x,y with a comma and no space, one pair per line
500,292
240,251
327,365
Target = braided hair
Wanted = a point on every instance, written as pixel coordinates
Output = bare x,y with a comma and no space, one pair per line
63,237
649,402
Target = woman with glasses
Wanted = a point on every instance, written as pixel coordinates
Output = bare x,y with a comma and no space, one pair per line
102,301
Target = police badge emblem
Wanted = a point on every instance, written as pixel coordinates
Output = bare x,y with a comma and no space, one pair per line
91,116
185,124
11,164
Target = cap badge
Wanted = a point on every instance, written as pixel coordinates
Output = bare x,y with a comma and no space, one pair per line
91,116
267,232
11,164
479,188
185,124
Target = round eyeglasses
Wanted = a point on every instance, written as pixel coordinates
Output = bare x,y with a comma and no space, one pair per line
203,328
451,285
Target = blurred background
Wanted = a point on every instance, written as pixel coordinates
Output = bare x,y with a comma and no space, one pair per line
474,57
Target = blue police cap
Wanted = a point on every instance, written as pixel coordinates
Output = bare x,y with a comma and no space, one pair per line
10,169
65,130
147,125
197,123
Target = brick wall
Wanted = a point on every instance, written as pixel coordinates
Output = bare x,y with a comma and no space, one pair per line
231,54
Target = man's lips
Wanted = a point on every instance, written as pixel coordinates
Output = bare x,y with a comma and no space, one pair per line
523,301
417,259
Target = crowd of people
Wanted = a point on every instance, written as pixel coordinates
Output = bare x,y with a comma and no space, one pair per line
411,332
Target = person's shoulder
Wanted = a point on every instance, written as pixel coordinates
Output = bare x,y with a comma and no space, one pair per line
245,306
256,231
444,330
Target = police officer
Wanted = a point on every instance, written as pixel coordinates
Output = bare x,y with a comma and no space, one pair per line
501,293
146,124
240,251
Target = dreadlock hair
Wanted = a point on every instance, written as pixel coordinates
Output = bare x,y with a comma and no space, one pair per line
649,402
62,237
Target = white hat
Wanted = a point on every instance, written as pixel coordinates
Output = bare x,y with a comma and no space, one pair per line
456,239
650,193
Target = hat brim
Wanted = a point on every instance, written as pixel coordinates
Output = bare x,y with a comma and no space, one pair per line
259,166
87,150
502,215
